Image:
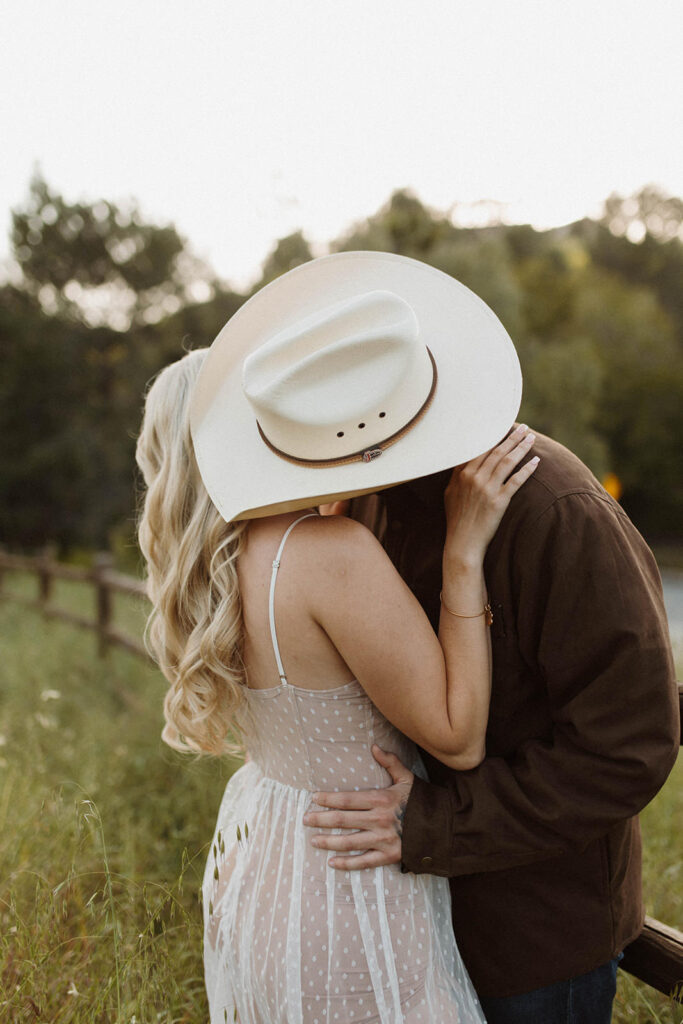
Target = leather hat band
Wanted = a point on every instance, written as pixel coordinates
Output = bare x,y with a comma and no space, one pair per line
364,454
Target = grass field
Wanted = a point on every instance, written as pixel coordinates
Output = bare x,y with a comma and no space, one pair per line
103,835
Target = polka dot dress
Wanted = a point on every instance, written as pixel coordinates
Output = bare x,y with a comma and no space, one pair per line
289,940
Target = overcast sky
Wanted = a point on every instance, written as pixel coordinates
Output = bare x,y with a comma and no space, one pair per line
243,120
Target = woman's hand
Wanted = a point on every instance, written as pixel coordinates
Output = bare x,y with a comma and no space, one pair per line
479,493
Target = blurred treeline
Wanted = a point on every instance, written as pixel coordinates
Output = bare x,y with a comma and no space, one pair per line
101,300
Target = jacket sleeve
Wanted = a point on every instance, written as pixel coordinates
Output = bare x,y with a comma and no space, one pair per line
590,602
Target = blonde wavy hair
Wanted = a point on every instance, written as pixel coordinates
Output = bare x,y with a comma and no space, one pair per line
195,628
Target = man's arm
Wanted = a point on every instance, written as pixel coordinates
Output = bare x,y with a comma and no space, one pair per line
589,594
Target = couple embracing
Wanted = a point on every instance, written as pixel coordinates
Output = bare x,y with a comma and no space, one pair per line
456,691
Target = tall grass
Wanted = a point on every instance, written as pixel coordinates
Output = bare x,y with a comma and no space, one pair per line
103,835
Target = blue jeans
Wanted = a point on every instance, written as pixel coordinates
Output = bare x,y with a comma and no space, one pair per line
583,1000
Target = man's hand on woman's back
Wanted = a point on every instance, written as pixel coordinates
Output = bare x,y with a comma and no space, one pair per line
374,815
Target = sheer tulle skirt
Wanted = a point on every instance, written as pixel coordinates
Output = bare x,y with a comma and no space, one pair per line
289,940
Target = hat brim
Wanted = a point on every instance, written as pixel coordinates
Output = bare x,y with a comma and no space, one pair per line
477,397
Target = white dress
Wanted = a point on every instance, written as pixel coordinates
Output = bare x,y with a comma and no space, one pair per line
290,940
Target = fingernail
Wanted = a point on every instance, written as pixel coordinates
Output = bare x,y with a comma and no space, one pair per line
521,428
534,460
529,438
306,819
315,842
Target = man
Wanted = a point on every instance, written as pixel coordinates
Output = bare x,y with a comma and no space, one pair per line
541,841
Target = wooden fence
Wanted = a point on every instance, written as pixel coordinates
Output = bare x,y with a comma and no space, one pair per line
656,957
101,576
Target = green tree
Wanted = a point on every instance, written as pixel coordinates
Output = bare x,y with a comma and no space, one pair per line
403,225
563,382
72,383
48,456
287,253
652,262
640,413
101,263
649,212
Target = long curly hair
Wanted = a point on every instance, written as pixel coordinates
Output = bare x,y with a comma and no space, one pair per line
195,629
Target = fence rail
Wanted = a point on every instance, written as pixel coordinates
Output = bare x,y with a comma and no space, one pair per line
656,956
101,576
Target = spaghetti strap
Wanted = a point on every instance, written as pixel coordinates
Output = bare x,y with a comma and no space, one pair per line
271,596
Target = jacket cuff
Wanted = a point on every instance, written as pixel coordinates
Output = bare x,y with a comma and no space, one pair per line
427,840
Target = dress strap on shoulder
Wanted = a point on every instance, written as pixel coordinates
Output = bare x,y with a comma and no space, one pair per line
271,596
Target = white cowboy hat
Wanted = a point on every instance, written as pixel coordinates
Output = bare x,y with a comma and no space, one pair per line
346,375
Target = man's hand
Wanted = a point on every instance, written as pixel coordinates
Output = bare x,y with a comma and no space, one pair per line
376,815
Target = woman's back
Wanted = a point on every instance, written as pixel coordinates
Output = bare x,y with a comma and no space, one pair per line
311,659
288,938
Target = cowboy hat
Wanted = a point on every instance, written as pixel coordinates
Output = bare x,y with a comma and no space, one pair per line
348,374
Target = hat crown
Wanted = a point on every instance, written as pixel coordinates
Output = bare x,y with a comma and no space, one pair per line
406,306
341,378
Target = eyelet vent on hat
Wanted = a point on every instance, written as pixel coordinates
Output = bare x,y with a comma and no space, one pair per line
332,371
365,454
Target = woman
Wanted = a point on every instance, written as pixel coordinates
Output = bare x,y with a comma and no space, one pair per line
295,631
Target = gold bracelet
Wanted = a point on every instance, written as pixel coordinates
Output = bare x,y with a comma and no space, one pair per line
487,611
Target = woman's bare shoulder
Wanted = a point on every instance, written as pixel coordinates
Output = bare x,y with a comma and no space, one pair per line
343,540
342,556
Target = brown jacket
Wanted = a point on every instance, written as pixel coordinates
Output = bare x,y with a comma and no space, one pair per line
541,842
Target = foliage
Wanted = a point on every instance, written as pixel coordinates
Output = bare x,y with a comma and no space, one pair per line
105,300
72,386
100,262
647,213
288,253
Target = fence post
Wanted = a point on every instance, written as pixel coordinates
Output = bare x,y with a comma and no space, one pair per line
102,563
46,557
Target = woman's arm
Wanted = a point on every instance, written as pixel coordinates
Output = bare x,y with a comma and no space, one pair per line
475,501
435,691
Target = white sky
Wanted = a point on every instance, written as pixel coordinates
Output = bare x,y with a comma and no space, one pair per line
243,120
